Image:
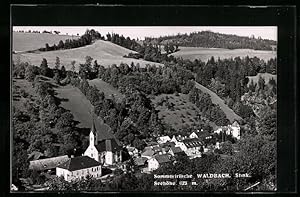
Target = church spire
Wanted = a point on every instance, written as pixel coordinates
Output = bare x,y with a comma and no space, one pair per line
93,128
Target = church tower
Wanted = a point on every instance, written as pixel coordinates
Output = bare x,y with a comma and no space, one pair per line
93,135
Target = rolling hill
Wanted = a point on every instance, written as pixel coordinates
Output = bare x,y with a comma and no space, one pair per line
230,114
105,52
204,54
31,41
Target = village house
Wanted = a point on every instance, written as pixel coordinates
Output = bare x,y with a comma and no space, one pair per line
158,160
132,151
163,139
79,168
48,164
233,130
193,147
174,151
105,151
193,135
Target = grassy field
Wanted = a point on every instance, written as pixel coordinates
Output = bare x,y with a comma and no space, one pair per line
32,41
230,114
106,53
108,90
183,113
205,53
265,76
80,107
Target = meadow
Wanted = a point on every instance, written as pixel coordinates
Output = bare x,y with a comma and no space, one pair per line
205,54
32,41
183,113
105,52
107,89
265,76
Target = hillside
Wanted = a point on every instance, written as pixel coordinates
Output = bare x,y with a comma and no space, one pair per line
230,114
204,54
80,107
183,113
32,41
106,53
106,88
210,39
265,76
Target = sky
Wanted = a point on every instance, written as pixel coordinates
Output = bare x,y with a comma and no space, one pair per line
140,32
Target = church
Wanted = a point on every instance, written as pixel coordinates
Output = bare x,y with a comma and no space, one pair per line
107,151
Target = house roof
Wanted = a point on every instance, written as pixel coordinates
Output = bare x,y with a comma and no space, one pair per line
103,130
148,152
163,138
78,163
169,144
140,161
176,150
108,145
235,124
162,158
47,164
192,142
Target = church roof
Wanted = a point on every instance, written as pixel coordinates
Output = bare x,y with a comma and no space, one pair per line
108,145
102,130
78,163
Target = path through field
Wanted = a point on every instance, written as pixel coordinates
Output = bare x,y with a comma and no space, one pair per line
230,114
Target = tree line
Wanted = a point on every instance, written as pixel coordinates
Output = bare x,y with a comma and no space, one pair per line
86,39
210,39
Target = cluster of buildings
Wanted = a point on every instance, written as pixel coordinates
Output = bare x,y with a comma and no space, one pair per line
100,152
109,153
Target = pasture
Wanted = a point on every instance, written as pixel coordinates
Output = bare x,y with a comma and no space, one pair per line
230,114
72,99
32,41
265,76
205,54
107,89
106,54
182,113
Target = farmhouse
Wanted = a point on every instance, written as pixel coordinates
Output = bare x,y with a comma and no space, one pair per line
105,151
158,160
233,129
163,139
175,151
193,147
79,168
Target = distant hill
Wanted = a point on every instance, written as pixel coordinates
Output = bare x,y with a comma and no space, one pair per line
32,41
205,54
210,39
105,52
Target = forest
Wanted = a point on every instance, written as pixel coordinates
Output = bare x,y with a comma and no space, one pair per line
210,39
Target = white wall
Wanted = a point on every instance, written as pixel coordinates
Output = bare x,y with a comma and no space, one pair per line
92,152
152,164
96,172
